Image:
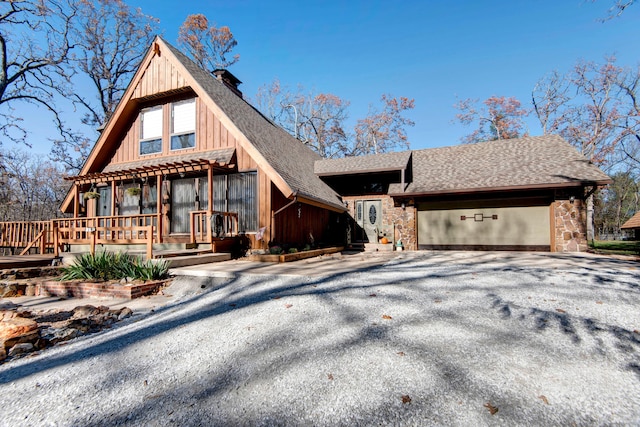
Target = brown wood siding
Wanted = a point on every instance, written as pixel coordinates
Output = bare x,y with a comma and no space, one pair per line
289,228
210,135
160,76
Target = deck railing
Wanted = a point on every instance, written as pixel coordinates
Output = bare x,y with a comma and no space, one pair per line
209,225
25,235
125,230
206,227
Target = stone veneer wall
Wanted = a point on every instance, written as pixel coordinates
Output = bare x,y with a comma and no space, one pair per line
570,225
403,221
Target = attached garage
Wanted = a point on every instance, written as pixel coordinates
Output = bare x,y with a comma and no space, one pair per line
484,228
529,193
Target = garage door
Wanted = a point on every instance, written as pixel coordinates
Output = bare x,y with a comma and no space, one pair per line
506,228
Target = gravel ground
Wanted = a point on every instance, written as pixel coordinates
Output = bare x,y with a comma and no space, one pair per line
410,342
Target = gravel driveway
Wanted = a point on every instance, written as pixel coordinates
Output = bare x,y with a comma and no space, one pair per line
413,341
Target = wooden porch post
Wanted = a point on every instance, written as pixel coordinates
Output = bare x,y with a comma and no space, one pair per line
56,241
209,203
114,197
76,200
159,209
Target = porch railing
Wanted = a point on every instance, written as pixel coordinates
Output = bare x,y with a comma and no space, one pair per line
209,225
105,230
25,235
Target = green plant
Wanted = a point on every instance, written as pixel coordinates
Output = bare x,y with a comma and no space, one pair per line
114,266
133,191
275,250
293,250
91,195
306,248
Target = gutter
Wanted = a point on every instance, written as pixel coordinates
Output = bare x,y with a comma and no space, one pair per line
508,188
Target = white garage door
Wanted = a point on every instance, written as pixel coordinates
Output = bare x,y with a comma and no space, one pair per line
507,227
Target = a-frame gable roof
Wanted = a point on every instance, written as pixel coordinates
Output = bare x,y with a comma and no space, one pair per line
289,158
286,160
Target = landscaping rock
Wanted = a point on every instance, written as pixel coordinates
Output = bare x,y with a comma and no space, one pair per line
124,313
16,326
85,311
52,336
21,349
22,332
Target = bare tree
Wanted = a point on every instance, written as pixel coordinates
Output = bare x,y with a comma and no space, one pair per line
384,130
319,120
496,118
617,9
209,46
110,40
549,98
33,187
34,46
315,119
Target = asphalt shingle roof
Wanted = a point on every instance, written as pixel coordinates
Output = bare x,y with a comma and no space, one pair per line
529,162
633,222
289,157
363,164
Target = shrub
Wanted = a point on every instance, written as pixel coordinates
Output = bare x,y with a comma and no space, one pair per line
114,266
275,250
293,250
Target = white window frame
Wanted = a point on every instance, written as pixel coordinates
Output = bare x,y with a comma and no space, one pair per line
187,125
157,112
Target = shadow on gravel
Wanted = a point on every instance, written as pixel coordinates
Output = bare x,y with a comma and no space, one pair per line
459,288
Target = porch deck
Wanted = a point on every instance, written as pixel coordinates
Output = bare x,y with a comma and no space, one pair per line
25,261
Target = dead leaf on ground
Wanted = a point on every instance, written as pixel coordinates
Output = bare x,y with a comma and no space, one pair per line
544,398
373,295
232,305
406,399
386,317
437,300
288,305
559,310
276,297
400,353
598,302
330,376
492,409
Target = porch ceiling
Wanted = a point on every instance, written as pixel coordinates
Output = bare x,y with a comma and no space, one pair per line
217,159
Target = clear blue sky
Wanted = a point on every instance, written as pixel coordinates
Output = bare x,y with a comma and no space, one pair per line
434,51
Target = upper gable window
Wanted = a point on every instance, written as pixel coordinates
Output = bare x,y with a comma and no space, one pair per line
151,130
183,124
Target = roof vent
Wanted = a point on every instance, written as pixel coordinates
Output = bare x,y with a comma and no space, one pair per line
229,80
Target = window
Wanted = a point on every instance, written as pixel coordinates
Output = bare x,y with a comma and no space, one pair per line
129,204
187,194
151,130
104,202
238,193
183,124
149,198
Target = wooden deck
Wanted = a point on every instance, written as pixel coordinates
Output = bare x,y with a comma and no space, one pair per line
24,261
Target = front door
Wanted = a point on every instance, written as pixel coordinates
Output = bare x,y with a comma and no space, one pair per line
369,218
